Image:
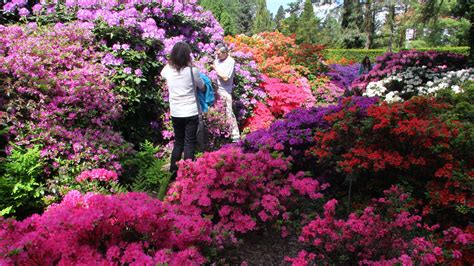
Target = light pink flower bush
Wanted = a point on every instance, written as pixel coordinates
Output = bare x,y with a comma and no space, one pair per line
328,93
387,232
240,191
131,229
99,174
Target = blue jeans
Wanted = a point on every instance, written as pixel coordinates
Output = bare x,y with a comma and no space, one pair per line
185,129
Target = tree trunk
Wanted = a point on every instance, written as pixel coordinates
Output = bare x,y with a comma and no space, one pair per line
391,14
471,34
368,25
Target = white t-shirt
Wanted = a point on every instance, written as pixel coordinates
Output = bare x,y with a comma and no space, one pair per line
226,67
181,93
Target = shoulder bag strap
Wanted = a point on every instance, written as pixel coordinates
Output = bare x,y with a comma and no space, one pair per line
196,94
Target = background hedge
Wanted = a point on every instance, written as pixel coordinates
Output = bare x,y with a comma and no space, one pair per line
358,54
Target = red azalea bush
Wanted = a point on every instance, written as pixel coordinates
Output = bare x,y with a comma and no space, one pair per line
240,191
387,232
131,229
412,142
391,63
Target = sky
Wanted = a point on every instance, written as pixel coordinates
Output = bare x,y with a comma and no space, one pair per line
273,5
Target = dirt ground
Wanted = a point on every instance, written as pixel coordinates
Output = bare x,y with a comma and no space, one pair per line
261,248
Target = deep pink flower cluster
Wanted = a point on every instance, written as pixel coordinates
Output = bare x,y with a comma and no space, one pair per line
58,96
124,229
99,174
241,191
385,233
261,119
284,97
391,63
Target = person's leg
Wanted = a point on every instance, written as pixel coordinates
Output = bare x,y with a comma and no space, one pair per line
227,97
190,138
179,125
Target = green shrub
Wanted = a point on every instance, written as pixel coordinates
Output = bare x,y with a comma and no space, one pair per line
21,190
148,173
357,55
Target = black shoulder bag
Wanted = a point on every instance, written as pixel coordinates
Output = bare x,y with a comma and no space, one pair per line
202,134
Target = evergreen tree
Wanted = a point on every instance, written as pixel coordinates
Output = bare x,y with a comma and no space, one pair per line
465,8
352,24
245,15
280,16
308,25
331,33
290,25
263,20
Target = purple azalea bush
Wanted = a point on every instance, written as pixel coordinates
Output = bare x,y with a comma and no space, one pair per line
343,76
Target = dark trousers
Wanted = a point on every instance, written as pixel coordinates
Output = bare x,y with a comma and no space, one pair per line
185,129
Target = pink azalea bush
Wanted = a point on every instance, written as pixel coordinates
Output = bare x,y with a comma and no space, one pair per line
387,232
99,174
58,96
132,229
284,97
98,180
240,191
261,119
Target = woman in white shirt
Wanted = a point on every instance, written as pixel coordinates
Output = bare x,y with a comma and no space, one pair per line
182,99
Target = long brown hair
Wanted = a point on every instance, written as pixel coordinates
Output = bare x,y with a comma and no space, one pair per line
180,56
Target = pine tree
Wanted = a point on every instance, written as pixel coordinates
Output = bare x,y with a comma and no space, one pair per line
352,24
290,24
245,15
263,21
279,17
308,25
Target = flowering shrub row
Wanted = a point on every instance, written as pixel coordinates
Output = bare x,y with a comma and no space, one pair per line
240,191
392,63
389,231
296,131
131,229
418,81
